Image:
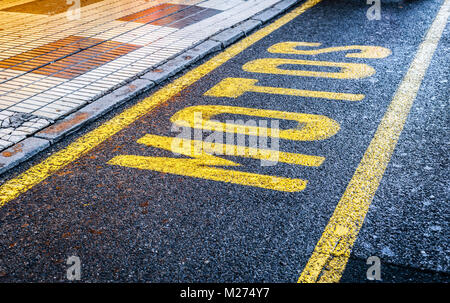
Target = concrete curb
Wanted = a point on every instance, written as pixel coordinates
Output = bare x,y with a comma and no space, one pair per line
94,110
249,25
228,36
267,15
21,152
41,140
182,61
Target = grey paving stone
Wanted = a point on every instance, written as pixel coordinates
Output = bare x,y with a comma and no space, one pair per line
182,61
20,152
20,132
6,113
228,36
203,49
249,25
94,110
267,15
164,71
14,138
5,144
5,131
286,4
43,122
5,122
128,91
56,131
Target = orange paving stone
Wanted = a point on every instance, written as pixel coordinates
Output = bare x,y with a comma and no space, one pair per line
172,15
46,7
47,59
69,57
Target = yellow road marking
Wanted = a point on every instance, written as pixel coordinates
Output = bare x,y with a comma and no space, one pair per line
236,87
270,66
331,253
13,188
310,127
203,163
366,51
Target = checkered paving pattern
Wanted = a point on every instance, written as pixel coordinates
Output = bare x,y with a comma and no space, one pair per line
52,62
177,16
75,56
45,7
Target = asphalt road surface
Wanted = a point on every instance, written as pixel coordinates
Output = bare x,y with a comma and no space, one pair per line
362,167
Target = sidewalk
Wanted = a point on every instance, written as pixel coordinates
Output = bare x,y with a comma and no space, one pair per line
61,68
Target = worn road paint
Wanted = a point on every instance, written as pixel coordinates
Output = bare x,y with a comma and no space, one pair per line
13,188
365,51
272,66
236,87
311,127
331,253
203,162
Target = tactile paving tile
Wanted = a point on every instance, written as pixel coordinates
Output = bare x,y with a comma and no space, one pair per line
50,66
46,7
172,15
69,57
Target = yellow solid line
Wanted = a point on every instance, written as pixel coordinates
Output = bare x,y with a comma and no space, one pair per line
16,186
331,253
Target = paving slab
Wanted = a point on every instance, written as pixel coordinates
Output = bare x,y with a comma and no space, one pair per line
228,36
139,45
20,152
94,110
